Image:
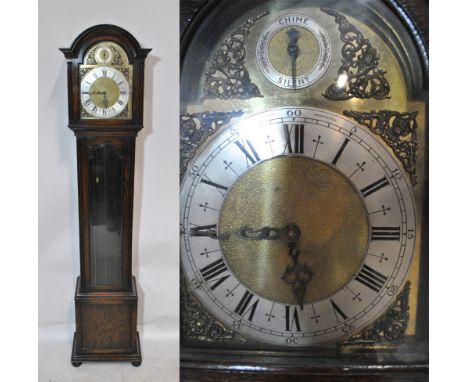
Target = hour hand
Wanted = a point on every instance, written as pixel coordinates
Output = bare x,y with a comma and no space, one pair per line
297,275
105,101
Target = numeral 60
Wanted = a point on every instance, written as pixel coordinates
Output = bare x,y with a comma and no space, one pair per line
293,113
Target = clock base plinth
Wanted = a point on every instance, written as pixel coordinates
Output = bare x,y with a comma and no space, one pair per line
106,326
135,358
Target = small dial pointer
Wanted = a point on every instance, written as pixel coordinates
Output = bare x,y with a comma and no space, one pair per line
293,52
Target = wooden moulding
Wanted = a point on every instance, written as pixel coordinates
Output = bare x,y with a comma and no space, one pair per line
210,365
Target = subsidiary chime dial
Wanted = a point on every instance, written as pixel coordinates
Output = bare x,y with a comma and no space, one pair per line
300,196
294,51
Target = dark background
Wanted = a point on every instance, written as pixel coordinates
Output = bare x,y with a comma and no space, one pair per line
418,9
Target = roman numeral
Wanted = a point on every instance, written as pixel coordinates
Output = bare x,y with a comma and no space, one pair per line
245,306
204,231
120,102
292,319
340,151
298,138
211,271
377,185
104,73
338,312
210,183
252,156
385,233
87,102
371,278
94,109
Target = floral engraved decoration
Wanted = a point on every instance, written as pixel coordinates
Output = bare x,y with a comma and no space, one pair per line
195,128
358,75
398,130
199,324
227,76
390,328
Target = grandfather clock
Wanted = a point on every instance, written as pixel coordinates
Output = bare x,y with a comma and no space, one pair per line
105,98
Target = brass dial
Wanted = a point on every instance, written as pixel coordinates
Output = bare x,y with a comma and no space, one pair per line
295,190
288,217
104,92
106,83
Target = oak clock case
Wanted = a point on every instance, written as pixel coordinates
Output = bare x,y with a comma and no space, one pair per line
303,190
105,99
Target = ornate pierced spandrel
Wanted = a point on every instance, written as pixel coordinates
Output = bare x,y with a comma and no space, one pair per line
196,128
227,76
398,130
198,324
389,329
359,75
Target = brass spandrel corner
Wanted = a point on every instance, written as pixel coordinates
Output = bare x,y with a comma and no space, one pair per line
389,329
118,60
362,77
227,76
91,59
125,113
85,114
196,128
84,70
398,130
198,324
126,73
